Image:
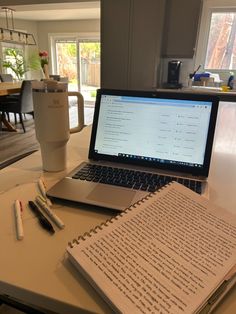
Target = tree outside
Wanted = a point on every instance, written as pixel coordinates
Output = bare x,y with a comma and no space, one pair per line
221,50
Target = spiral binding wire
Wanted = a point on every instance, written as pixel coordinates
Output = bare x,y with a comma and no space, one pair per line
89,234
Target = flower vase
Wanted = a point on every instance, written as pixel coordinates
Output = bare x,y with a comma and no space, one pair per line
45,70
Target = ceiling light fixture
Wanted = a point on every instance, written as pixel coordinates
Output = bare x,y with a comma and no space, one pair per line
10,34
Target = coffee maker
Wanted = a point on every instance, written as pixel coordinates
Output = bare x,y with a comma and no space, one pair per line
174,67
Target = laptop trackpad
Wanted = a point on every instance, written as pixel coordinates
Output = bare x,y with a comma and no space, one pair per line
112,195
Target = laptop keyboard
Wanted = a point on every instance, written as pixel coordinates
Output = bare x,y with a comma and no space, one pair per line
133,179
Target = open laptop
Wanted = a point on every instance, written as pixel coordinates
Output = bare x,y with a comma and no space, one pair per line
169,136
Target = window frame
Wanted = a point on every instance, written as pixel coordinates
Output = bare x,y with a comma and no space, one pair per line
209,7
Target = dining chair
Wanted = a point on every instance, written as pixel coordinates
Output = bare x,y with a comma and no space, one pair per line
6,77
64,79
55,77
19,104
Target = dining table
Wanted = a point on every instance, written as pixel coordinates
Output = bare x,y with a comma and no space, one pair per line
8,88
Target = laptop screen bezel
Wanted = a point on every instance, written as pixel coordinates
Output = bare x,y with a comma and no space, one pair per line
203,171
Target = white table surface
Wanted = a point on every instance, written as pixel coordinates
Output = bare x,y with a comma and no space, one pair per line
36,270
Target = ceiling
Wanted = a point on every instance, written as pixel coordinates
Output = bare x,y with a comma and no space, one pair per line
57,11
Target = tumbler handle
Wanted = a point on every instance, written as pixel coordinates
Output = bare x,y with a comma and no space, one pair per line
80,111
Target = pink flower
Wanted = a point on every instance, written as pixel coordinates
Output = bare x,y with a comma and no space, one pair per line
43,53
43,58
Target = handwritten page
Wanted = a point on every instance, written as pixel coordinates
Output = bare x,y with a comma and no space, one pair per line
166,255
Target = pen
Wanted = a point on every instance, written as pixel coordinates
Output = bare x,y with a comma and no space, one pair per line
42,190
40,201
41,218
18,216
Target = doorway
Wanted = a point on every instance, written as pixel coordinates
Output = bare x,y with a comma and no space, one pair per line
78,59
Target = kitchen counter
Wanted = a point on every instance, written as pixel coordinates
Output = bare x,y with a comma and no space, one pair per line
224,96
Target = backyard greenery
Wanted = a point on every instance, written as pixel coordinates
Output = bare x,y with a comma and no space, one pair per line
15,61
67,58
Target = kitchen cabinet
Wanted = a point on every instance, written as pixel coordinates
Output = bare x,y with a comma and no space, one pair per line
131,38
115,17
180,29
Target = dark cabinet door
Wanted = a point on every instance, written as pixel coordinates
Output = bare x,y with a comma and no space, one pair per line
180,29
115,17
146,38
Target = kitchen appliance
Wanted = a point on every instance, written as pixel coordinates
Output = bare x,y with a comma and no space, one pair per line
174,67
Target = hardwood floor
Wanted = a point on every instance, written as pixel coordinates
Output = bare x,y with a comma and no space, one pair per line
13,144
5,309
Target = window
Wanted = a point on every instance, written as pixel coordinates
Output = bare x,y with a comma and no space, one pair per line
13,60
216,49
221,47
78,58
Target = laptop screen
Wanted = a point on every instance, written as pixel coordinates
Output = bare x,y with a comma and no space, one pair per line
169,130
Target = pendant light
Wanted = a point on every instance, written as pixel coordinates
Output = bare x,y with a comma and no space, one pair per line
10,34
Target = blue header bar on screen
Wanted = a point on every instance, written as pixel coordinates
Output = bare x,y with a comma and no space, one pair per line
161,101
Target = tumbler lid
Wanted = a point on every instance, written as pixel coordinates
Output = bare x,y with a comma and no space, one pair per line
49,86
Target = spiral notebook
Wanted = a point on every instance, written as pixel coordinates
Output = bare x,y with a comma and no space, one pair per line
172,252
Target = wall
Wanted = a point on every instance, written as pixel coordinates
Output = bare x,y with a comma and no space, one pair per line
45,28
